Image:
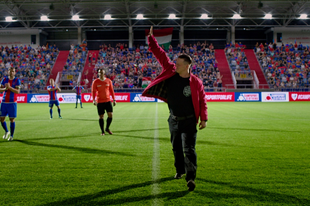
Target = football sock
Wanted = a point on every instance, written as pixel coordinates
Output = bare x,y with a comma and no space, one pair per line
76,103
4,126
109,120
51,113
59,112
12,126
101,123
81,103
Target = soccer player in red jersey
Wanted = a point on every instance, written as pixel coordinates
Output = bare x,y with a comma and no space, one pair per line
11,87
102,88
78,90
52,91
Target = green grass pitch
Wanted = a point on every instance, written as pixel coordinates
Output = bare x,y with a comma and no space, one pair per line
249,154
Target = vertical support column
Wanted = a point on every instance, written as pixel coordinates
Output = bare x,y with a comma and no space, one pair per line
228,39
233,34
79,35
181,35
130,37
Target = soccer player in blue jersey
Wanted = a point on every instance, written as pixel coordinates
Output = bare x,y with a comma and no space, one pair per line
10,86
78,90
52,91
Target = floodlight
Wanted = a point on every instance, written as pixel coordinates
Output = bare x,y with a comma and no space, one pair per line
107,17
8,18
75,17
268,16
171,16
303,16
236,16
204,16
44,18
140,16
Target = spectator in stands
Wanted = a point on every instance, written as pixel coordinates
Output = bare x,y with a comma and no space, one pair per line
30,63
285,66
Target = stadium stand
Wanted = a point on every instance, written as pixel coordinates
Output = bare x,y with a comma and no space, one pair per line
33,65
254,65
224,68
286,67
134,68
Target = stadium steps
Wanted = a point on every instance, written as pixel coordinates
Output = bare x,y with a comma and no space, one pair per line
254,65
59,65
90,68
224,68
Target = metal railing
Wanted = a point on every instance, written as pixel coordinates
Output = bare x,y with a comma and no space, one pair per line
245,75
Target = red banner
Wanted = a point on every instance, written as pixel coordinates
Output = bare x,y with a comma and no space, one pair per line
119,97
21,98
299,96
220,96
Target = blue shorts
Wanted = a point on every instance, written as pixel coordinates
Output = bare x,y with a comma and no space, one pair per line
52,102
8,109
78,97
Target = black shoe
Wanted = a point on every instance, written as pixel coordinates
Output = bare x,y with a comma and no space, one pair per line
109,131
191,185
178,176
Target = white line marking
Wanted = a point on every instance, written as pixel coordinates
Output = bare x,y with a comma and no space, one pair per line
156,165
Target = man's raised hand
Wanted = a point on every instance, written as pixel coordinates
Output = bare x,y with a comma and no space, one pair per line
151,31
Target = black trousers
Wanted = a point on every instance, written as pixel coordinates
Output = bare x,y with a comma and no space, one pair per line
183,139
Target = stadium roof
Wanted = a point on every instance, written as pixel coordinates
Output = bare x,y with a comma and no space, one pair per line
27,13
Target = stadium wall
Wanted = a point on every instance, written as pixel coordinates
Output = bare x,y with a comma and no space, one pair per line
20,37
210,97
290,35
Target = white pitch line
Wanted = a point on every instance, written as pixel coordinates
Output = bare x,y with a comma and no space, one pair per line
156,165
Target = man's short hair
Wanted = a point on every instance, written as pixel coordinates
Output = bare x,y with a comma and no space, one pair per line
100,70
186,58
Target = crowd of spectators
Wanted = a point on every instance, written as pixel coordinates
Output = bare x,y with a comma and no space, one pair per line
286,67
237,59
75,63
136,67
33,65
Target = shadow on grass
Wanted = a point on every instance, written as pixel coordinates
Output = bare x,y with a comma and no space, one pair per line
90,199
258,195
65,137
89,120
79,149
168,140
139,130
253,129
140,137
